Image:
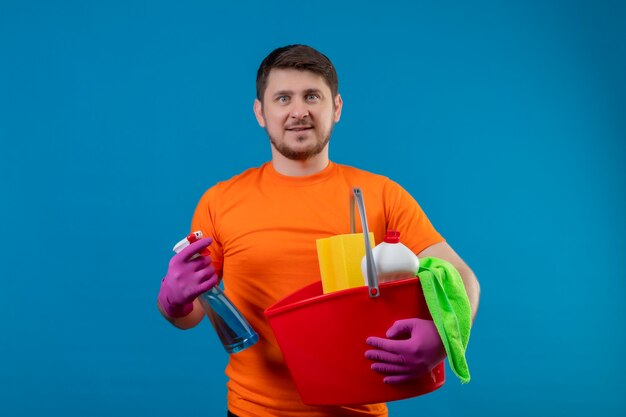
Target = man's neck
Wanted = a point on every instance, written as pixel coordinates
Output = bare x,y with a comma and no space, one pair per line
292,168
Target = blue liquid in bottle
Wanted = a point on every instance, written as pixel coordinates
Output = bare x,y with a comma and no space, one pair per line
233,329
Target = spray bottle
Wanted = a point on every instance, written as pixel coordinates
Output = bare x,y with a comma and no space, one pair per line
233,329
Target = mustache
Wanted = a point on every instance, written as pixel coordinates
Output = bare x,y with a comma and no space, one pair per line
300,123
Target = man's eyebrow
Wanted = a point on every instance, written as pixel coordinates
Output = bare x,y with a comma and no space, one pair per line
312,91
291,93
283,93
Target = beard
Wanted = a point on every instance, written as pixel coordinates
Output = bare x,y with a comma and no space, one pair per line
303,154
299,155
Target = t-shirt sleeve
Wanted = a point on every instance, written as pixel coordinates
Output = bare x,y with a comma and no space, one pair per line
205,220
405,215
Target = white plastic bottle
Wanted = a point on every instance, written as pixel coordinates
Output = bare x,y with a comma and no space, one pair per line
393,260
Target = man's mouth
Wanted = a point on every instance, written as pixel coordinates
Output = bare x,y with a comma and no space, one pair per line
299,128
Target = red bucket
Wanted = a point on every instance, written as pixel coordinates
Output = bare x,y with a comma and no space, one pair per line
322,338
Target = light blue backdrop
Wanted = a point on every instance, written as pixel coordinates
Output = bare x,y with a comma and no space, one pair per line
506,120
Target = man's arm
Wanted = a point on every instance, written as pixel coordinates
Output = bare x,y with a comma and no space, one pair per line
403,359
444,251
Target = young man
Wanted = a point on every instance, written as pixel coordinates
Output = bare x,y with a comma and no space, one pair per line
262,226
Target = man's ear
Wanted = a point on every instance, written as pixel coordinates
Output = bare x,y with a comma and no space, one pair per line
338,106
258,112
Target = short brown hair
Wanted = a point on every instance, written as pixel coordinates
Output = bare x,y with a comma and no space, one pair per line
299,57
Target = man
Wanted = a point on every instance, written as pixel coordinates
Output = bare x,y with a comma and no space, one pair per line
262,226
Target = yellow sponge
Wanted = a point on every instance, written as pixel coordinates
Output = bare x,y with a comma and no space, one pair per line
340,261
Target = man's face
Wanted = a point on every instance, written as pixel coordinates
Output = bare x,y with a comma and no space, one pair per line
298,112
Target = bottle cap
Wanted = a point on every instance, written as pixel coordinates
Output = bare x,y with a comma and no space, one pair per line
392,236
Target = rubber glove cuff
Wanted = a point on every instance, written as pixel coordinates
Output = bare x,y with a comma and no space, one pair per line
173,310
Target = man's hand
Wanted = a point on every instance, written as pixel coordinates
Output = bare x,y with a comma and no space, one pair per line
413,348
187,277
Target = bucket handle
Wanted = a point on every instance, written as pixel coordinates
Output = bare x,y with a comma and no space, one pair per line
372,277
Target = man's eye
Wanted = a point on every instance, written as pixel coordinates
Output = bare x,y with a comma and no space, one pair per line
312,97
283,99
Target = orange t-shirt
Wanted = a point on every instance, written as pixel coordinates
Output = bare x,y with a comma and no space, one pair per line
264,226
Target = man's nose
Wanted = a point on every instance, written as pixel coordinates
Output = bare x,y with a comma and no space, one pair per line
299,110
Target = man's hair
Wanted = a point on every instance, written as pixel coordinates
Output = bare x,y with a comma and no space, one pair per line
298,57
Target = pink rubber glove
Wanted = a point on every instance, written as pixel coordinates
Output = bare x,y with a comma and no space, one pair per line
413,347
187,277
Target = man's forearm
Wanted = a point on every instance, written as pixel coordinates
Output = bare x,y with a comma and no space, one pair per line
472,288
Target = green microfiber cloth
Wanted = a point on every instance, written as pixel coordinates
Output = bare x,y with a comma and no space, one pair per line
450,309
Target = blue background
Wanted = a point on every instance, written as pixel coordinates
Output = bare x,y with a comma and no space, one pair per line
506,120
